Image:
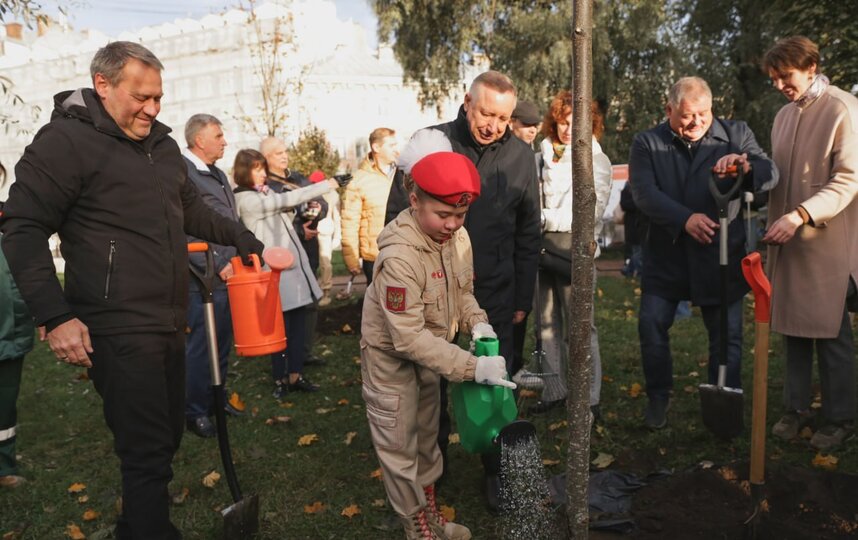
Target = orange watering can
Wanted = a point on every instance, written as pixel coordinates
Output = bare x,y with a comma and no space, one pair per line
254,300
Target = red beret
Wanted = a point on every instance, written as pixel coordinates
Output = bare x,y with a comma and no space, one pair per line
449,177
317,176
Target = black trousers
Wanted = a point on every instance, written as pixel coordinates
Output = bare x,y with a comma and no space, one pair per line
141,380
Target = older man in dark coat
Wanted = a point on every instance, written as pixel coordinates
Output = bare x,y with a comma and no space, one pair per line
670,167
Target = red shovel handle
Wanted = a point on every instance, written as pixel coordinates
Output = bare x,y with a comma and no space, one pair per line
752,268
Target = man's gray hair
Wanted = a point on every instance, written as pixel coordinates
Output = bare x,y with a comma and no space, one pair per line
495,80
197,123
695,86
268,145
110,59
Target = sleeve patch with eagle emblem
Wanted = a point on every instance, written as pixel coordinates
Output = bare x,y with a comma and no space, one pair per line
395,299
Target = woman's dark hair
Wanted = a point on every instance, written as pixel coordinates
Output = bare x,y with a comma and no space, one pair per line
245,161
2,175
560,108
794,52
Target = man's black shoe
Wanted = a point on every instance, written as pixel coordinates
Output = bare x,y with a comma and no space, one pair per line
303,385
655,416
542,407
492,490
201,427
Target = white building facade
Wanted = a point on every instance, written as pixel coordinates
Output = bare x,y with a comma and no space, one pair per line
212,65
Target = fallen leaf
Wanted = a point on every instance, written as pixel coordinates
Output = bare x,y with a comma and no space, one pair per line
637,291
662,451
254,411
351,510
181,497
117,506
324,411
816,405
829,463
728,474
356,360
693,374
448,512
307,440
314,508
74,532
611,415
607,378
526,393
236,402
211,479
347,329
745,486
287,405
630,314
600,429
806,433
603,460
689,389
77,487
343,401
82,499
635,390
82,376
90,515
454,438
550,462
350,436
706,464
378,503
599,293
557,425
376,473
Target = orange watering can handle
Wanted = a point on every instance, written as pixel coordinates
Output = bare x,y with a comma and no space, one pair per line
752,268
198,247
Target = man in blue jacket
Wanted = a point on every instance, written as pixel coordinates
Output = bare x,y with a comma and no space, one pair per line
669,171
206,143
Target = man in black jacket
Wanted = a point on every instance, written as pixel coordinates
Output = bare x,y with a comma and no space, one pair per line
670,167
503,223
106,176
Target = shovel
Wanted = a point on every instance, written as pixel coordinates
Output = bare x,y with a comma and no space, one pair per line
240,519
347,291
752,268
722,407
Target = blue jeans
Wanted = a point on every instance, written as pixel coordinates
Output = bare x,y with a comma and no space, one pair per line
655,319
198,381
295,321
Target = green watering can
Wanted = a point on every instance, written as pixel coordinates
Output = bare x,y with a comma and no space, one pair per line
483,412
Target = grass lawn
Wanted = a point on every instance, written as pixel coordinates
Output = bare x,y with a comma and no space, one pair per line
63,440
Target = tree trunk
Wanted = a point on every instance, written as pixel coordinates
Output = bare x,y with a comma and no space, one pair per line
583,249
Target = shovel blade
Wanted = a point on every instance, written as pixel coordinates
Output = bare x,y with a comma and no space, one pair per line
723,410
241,520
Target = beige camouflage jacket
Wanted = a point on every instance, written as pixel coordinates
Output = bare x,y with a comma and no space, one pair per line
421,295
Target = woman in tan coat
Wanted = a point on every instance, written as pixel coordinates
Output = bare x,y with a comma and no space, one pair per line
813,257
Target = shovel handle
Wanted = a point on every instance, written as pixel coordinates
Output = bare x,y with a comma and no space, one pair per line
198,247
752,268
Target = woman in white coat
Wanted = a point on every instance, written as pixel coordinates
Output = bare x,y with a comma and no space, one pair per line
555,291
266,213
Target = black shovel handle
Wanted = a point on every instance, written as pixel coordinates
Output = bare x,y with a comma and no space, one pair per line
722,201
206,280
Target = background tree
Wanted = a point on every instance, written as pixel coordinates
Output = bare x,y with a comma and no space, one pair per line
583,251
278,74
313,151
640,47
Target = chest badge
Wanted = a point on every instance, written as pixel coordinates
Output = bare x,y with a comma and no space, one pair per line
395,299
439,274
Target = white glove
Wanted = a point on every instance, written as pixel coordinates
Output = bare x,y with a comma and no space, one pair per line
492,370
480,330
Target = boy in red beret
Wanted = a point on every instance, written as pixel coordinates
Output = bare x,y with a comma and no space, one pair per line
421,296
